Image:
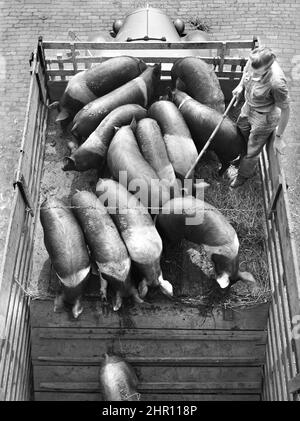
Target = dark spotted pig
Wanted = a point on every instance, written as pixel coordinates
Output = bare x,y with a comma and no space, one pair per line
67,250
198,79
137,229
92,153
140,90
107,247
201,223
97,81
228,143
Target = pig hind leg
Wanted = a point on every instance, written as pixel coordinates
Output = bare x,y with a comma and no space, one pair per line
135,295
118,301
103,295
143,288
59,303
165,286
103,288
77,308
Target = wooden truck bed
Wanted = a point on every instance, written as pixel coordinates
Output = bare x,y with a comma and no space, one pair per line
178,354
180,349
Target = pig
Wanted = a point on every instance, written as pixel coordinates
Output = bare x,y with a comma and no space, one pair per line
180,146
137,229
198,79
118,380
228,144
152,146
140,90
107,247
199,222
68,252
124,155
92,153
97,81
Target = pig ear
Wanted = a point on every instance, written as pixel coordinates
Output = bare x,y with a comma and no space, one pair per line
54,105
133,124
246,276
180,85
74,132
143,288
142,66
63,115
68,164
116,128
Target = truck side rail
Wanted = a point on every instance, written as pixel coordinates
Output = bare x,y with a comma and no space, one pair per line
15,360
282,369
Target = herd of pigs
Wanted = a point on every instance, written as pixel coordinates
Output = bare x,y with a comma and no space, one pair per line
120,124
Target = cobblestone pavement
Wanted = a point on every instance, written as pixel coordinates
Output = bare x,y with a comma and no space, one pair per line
276,22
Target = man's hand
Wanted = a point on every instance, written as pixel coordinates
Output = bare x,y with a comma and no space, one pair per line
237,92
279,145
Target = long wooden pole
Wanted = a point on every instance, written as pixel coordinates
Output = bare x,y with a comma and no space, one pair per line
210,138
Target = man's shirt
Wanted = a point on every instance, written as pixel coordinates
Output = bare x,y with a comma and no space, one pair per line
269,91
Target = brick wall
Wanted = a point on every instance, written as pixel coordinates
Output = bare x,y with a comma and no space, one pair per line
277,23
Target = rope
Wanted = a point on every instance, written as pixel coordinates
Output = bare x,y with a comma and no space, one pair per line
29,294
250,211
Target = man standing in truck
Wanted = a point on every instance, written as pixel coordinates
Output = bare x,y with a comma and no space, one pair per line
266,108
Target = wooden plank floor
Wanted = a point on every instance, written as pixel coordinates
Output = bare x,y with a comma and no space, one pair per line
178,354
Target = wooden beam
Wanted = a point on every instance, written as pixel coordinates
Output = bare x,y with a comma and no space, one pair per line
237,61
157,387
207,45
229,361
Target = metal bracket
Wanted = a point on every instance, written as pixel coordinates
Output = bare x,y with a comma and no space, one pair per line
21,184
274,198
146,38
